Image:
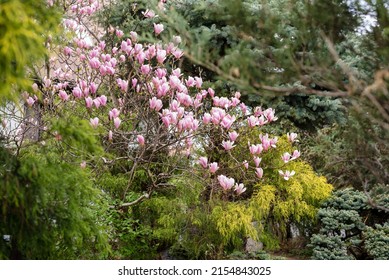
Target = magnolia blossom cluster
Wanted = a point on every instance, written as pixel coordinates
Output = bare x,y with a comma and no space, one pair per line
178,101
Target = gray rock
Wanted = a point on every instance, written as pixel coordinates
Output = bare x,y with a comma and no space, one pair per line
253,246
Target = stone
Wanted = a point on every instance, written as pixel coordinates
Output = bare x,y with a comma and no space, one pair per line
253,246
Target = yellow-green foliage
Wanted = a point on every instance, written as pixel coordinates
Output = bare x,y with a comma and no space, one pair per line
280,201
23,27
262,201
274,201
234,223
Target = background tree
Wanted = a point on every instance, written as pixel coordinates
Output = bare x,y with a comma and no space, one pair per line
351,228
23,36
163,127
50,208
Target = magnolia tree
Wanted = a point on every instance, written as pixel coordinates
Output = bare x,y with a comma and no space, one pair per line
150,113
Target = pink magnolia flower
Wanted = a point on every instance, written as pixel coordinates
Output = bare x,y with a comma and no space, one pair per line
119,33
83,164
295,155
262,121
67,51
117,122
145,69
134,82
287,174
207,118
199,81
177,40
30,101
174,81
217,115
227,121
94,122
103,100
213,167
203,161
102,45
94,53
292,137
234,101
103,70
222,102
163,89
141,140
155,104
233,135
123,84
94,63
88,102
228,145
267,142
34,87
63,95
83,84
211,92
256,149
160,72
176,72
170,47
257,161
114,113
96,102
246,164
273,142
259,172
239,188
177,53
151,52
161,56
86,91
285,157
149,13
225,182
174,105
190,82
141,56
158,28
134,36
166,120
243,107
77,92
270,115
92,88
252,121
257,111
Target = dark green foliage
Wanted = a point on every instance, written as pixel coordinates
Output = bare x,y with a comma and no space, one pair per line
260,255
329,248
344,17
351,154
306,112
251,43
131,239
350,228
377,241
49,208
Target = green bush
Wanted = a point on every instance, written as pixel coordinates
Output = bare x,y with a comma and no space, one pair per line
350,228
